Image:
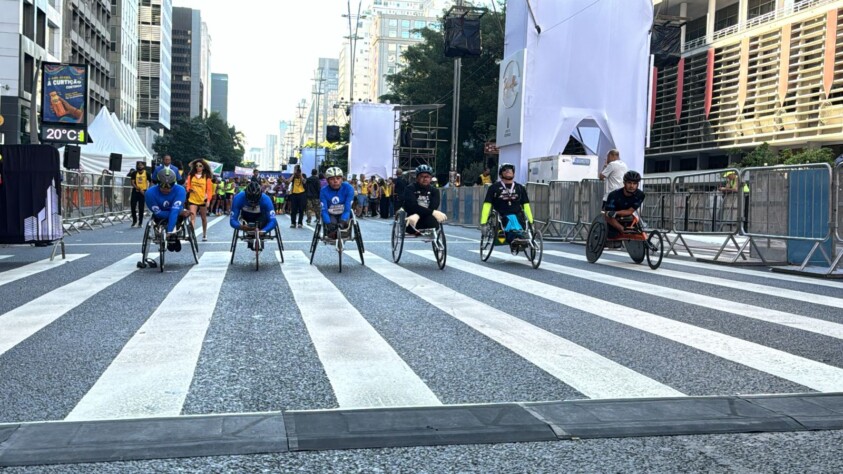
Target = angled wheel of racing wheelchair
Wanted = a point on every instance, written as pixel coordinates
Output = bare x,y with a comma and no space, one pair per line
233,248
399,227
317,235
636,250
440,246
358,239
596,240
536,249
190,236
488,235
654,249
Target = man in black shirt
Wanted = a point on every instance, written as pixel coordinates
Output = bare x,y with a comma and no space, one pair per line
621,204
312,188
140,179
400,186
421,202
510,201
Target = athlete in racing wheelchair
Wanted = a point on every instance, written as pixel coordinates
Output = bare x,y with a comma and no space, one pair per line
336,223
506,219
420,217
168,226
619,223
253,220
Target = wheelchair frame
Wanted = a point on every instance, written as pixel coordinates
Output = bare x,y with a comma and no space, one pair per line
489,236
640,244
434,235
259,242
352,233
156,234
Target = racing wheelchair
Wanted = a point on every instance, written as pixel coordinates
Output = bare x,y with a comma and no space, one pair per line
434,235
350,233
257,241
155,234
640,245
492,234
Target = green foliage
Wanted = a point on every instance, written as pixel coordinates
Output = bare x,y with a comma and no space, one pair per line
209,137
471,172
817,155
427,78
764,156
761,156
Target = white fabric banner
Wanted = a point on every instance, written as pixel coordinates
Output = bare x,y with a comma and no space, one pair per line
587,68
372,140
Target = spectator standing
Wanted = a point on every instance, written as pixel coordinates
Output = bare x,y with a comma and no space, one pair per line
297,196
107,186
385,197
374,196
485,178
312,188
199,189
166,162
140,179
280,196
612,173
229,194
400,184
256,176
322,181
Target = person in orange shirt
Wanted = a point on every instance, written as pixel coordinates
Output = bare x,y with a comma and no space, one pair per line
200,189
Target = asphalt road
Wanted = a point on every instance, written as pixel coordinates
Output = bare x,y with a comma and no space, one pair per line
295,336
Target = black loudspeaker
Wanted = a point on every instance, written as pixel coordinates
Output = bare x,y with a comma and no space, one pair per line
293,161
332,133
664,45
115,162
462,37
71,157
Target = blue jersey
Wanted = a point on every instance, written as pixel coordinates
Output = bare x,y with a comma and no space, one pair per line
166,206
336,202
263,212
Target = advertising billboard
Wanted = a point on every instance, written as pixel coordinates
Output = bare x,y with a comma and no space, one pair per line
64,103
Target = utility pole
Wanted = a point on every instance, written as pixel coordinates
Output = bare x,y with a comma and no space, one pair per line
352,42
455,115
301,108
317,92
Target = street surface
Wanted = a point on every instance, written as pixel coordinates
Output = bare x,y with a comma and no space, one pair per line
94,337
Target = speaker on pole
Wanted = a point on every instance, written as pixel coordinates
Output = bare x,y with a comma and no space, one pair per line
72,154
293,160
332,134
462,37
665,45
115,162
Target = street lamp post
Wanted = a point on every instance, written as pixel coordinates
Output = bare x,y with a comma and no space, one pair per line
352,42
317,93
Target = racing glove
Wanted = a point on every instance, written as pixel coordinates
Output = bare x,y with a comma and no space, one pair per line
440,216
413,220
611,214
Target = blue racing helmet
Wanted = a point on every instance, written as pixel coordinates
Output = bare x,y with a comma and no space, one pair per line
424,169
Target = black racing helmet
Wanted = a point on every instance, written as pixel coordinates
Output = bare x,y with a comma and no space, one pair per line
166,178
506,166
424,169
253,192
631,177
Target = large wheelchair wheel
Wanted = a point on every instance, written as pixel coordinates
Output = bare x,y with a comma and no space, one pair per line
358,238
440,247
194,244
340,248
399,226
315,242
257,243
279,241
536,249
487,239
234,245
654,250
596,239
148,239
162,251
636,250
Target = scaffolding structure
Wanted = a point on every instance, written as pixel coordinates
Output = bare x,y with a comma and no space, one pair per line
416,136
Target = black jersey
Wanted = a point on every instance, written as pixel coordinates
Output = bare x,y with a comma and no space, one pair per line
507,199
618,201
421,200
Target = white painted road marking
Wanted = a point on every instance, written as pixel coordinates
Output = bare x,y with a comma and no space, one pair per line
36,267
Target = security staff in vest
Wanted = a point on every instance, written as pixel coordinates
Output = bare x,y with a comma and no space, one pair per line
140,179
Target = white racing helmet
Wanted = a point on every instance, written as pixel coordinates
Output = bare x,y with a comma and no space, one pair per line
333,171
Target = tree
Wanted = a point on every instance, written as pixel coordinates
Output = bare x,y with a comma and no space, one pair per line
761,156
427,78
209,137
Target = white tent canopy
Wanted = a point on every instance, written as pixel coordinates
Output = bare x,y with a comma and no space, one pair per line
587,69
110,135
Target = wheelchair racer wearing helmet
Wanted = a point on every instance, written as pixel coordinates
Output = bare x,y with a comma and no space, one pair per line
166,201
622,203
336,199
252,209
510,201
421,202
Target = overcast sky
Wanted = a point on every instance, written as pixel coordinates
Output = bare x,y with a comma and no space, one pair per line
269,49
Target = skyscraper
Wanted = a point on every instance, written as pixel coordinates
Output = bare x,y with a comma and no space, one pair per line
154,63
123,57
87,40
187,81
219,94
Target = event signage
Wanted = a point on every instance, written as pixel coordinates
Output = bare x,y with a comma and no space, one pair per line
511,99
64,103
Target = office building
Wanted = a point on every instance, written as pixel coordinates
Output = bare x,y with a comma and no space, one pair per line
87,40
271,159
219,94
323,97
154,63
123,58
188,83
31,34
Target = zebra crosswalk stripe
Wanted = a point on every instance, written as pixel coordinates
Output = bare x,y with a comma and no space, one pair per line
33,268
812,374
5,256
152,374
588,372
22,322
818,326
364,370
800,296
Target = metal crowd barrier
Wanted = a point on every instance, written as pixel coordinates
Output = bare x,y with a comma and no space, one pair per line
539,194
837,221
562,209
90,199
792,203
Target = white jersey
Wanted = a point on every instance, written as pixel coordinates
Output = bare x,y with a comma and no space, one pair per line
613,172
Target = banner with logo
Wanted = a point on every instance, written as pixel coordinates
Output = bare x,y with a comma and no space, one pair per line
216,167
64,103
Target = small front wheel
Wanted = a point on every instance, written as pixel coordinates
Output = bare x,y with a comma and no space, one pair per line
654,249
